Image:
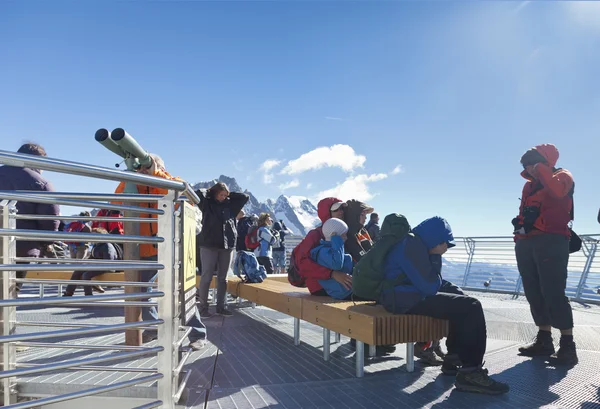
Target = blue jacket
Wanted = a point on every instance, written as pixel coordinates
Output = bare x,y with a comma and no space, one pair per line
267,239
331,254
418,273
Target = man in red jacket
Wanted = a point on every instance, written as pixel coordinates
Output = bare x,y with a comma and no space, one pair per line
542,249
328,208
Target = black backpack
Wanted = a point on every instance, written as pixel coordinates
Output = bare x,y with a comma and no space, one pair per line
294,276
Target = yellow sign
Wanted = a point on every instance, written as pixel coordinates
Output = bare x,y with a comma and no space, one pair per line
189,247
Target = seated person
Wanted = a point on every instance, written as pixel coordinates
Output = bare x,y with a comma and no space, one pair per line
412,270
330,253
100,251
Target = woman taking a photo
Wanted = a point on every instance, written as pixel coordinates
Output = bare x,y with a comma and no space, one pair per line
266,238
216,241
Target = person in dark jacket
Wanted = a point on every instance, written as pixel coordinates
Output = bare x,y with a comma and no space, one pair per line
217,240
359,241
373,227
243,226
15,178
279,252
412,270
100,251
542,249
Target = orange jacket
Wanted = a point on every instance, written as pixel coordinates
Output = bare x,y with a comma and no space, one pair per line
150,228
551,192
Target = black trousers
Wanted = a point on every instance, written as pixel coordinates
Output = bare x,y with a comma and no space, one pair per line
267,262
542,261
467,336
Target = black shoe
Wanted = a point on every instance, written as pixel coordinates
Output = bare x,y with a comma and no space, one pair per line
427,356
224,312
149,337
566,355
451,365
478,381
542,346
204,313
380,350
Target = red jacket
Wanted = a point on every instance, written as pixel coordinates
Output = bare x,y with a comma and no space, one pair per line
307,268
115,227
551,192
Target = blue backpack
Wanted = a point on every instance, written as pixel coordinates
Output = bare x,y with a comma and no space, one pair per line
247,268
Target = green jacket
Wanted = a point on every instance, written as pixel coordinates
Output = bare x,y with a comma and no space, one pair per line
368,277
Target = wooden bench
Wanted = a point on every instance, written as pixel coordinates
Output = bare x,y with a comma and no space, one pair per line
364,321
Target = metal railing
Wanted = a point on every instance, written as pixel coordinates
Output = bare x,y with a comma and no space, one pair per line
169,366
489,264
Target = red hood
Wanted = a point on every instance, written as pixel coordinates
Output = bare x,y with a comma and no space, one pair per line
324,206
549,152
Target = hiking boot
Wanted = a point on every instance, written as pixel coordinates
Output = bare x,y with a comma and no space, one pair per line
380,350
437,349
427,356
224,312
566,354
478,381
542,346
451,365
65,294
149,337
204,313
198,344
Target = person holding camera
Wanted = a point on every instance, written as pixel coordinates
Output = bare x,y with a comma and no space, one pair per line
542,237
279,252
217,240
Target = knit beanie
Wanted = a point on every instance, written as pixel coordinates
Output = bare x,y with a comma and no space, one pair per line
334,226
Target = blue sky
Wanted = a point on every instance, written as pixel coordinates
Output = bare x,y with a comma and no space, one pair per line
420,108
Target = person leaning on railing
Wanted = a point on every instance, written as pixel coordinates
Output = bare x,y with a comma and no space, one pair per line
16,178
149,252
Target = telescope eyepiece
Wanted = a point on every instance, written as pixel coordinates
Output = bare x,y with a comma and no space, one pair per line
118,134
101,135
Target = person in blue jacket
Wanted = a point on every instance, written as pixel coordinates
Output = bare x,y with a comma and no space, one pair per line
414,264
267,239
331,254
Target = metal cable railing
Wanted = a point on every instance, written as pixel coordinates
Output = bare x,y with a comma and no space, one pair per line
168,371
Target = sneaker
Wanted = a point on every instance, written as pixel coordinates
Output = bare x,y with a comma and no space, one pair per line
198,345
67,294
451,365
149,337
542,346
566,355
478,381
98,289
427,356
224,312
204,313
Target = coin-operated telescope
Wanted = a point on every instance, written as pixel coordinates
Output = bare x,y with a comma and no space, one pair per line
124,145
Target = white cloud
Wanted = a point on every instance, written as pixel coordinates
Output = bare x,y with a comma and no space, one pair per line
398,169
309,186
289,185
584,13
269,165
333,118
354,187
266,167
341,156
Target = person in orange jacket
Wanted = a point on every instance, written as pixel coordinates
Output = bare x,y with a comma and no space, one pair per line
542,237
149,252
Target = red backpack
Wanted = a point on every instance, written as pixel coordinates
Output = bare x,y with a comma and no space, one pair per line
252,240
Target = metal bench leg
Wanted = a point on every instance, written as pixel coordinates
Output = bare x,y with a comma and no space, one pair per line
326,343
253,305
410,357
338,337
372,351
296,331
360,359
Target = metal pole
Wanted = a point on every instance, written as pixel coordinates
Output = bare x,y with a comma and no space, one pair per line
8,394
131,251
360,359
372,351
470,247
338,337
296,331
167,333
591,250
410,357
326,343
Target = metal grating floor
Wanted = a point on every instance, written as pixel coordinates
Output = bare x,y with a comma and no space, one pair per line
252,363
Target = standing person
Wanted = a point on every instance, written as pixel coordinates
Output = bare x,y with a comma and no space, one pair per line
149,252
373,227
279,252
217,240
15,178
542,249
243,226
267,238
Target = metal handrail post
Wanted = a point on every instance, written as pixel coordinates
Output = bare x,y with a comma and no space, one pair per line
591,247
8,315
167,359
131,251
470,247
